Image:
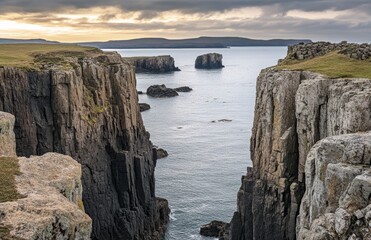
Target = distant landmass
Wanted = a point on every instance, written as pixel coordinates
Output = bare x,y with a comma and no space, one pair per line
201,42
18,41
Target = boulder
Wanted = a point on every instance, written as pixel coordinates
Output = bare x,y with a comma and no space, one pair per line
213,229
161,153
209,61
183,89
161,91
144,107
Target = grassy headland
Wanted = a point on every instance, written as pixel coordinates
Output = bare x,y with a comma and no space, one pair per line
33,56
332,65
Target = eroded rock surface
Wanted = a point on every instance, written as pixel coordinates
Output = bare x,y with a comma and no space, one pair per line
50,203
209,61
336,203
90,112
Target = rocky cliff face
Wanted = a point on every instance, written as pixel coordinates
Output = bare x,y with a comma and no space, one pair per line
157,64
294,110
87,108
49,205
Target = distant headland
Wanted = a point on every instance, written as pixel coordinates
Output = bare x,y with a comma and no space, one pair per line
201,42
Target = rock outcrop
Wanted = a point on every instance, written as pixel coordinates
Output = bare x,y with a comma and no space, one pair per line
306,51
214,229
209,61
293,111
144,107
50,202
157,64
183,89
86,106
336,203
161,91
161,153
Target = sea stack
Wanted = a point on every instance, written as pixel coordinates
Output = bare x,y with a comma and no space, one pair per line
161,91
209,61
155,64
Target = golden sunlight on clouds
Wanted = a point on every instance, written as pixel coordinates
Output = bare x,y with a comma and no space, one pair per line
328,14
110,23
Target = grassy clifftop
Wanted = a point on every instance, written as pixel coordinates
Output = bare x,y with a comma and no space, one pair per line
333,65
34,56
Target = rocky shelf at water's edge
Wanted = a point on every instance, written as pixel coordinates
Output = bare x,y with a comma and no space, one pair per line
82,102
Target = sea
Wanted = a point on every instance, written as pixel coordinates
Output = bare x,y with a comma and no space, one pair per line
206,132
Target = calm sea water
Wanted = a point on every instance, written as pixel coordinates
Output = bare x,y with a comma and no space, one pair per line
202,174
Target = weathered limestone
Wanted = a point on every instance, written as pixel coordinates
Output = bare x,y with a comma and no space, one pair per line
312,50
7,137
293,111
209,61
156,64
51,204
336,204
91,113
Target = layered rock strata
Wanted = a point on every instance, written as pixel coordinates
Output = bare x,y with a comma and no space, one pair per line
293,111
157,64
50,196
209,61
86,106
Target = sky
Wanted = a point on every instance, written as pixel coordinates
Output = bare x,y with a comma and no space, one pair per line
94,20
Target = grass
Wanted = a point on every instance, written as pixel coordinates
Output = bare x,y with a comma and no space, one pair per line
332,65
32,56
9,168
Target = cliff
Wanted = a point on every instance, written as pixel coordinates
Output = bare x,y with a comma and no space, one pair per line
44,199
83,103
157,64
294,110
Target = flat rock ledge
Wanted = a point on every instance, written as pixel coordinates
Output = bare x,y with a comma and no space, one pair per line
209,61
51,205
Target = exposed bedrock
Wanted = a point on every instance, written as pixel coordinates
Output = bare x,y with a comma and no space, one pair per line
209,61
293,111
49,203
91,113
156,64
161,91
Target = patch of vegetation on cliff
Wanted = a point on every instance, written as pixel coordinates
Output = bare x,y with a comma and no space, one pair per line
333,65
9,168
34,56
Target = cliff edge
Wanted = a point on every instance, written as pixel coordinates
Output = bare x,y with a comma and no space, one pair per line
156,64
41,197
294,110
83,102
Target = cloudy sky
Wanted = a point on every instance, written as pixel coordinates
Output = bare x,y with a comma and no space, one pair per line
94,20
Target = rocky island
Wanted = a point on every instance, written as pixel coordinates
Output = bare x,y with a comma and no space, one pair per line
310,148
82,102
209,61
157,64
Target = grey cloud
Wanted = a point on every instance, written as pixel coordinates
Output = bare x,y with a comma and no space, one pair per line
181,5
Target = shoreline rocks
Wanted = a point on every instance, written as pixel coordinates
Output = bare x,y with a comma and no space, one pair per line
144,107
209,61
183,89
161,91
215,229
161,153
155,64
